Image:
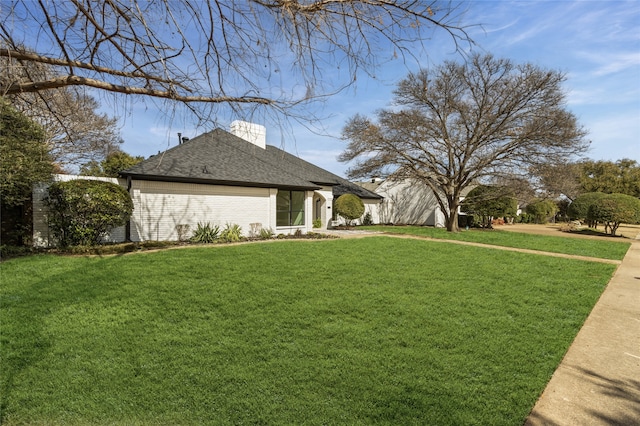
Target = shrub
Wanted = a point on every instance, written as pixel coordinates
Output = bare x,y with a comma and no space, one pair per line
350,207
563,207
317,223
542,210
205,233
570,226
524,218
613,210
579,208
231,233
9,251
266,233
82,212
367,220
487,202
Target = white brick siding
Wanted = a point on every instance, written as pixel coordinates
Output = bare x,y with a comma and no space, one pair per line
159,207
321,206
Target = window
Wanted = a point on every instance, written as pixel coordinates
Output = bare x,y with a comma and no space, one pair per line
290,208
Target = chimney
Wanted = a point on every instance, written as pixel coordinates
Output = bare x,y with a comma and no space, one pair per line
254,133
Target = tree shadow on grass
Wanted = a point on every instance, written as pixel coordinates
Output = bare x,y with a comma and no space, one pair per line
23,340
595,233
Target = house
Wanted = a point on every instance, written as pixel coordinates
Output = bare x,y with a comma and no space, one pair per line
225,177
405,202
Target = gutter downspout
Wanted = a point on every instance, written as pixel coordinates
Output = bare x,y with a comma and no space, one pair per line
127,227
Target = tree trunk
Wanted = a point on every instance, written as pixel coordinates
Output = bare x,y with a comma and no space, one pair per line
452,219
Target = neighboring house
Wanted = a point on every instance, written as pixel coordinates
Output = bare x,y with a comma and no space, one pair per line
405,202
221,177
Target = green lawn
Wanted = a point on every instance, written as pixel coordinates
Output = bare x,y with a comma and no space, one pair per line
354,332
600,248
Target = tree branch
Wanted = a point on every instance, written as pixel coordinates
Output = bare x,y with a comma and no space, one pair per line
33,57
73,80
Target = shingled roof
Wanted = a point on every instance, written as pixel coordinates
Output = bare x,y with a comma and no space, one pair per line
220,158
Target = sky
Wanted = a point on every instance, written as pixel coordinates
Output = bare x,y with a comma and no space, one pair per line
595,43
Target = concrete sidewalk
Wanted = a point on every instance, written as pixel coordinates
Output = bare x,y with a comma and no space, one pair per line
598,381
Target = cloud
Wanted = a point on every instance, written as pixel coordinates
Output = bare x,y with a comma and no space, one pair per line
618,63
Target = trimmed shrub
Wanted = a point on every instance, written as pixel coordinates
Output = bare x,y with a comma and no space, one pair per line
350,207
613,210
542,210
579,208
82,212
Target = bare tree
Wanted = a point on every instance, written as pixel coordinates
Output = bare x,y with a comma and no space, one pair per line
215,53
556,180
466,123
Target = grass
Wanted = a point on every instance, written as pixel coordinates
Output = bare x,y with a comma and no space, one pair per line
614,250
362,331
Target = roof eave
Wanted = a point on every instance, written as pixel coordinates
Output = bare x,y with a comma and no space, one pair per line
179,179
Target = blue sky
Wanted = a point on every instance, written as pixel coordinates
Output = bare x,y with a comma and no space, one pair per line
596,43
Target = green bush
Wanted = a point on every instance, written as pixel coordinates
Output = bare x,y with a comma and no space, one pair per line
613,210
563,207
82,212
205,233
542,210
317,223
9,251
350,207
579,208
231,233
488,202
524,217
367,220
